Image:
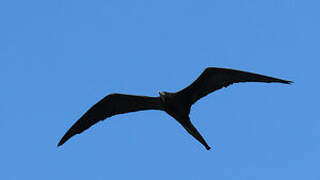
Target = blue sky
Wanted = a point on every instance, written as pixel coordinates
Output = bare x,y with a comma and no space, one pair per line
58,58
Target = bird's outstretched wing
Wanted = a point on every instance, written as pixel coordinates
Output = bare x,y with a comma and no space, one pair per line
216,78
111,105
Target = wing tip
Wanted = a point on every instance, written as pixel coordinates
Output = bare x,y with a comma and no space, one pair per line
70,133
59,144
63,140
287,82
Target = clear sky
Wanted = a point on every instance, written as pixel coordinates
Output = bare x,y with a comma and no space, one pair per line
58,58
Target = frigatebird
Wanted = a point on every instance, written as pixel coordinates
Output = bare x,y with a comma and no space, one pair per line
176,104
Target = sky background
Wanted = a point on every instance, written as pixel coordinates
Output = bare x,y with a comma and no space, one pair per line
58,58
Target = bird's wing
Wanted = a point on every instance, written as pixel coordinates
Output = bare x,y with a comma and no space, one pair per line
216,78
111,105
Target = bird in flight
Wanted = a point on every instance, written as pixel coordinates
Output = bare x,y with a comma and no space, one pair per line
176,104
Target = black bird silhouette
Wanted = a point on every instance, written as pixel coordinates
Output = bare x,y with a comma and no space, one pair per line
176,104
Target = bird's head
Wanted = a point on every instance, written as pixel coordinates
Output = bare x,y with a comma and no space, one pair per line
163,95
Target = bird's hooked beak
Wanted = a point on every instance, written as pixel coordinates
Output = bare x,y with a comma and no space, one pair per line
162,96
161,93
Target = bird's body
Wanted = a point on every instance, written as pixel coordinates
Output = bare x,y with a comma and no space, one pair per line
174,105
177,104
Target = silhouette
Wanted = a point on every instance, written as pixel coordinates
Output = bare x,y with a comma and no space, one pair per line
176,104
